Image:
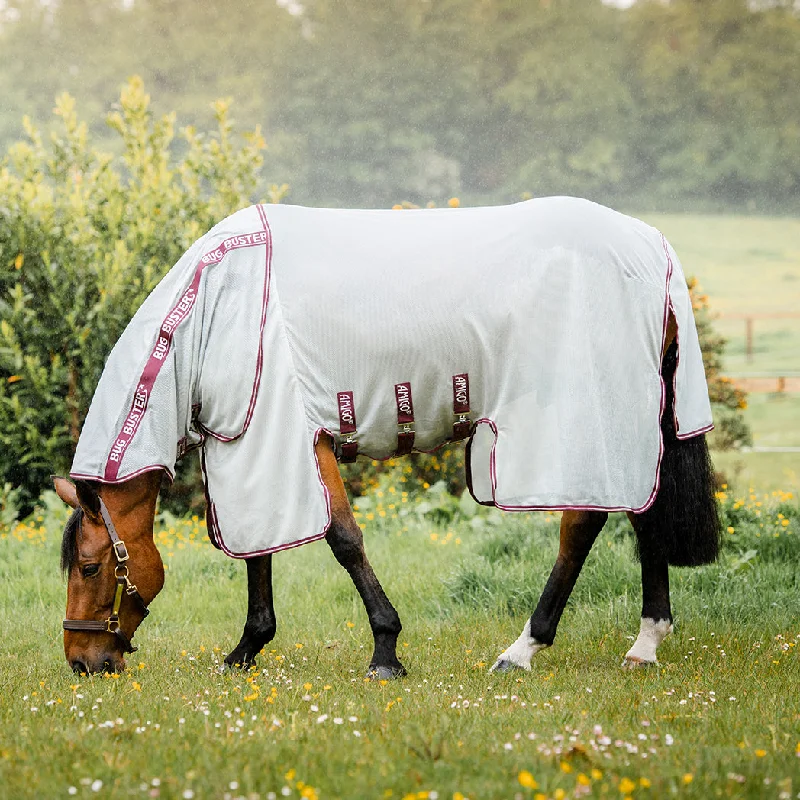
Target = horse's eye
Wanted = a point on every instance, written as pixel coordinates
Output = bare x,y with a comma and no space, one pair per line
89,570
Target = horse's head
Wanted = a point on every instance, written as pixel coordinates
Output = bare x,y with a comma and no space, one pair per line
113,567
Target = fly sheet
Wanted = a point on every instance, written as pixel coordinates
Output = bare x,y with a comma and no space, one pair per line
535,329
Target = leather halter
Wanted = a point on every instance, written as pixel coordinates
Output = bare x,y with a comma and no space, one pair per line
112,623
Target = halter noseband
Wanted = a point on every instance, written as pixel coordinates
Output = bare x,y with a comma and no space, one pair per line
112,623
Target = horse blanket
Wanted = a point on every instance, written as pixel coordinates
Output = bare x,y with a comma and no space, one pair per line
535,330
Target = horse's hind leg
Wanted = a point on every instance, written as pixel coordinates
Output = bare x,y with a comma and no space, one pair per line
259,629
347,543
579,529
656,620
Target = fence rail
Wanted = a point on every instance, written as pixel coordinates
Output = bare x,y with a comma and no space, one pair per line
749,324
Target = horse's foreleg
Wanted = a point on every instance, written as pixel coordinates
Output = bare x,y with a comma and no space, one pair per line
579,530
347,543
259,628
656,620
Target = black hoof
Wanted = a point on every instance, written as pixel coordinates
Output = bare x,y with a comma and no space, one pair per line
241,657
505,665
376,673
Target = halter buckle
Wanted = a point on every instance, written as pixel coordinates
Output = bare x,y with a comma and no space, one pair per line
112,620
120,551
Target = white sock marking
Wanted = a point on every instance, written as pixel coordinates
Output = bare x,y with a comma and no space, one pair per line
651,634
522,651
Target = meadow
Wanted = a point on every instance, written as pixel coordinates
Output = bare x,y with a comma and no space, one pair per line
718,717
751,266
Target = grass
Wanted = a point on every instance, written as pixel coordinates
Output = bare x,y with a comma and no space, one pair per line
746,265
775,421
720,716
751,265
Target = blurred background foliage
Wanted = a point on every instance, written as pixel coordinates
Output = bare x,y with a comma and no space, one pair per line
681,105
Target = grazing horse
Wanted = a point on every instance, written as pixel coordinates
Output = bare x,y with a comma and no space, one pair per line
556,336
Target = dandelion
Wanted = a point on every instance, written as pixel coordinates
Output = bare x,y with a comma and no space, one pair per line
526,779
760,753
688,778
626,786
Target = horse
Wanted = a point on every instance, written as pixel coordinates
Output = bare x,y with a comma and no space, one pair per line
113,566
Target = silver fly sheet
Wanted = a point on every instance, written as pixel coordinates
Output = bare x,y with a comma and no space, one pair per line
534,329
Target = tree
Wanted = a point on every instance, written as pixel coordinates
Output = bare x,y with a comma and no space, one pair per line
84,237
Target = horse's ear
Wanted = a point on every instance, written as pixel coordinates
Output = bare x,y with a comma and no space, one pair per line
66,491
89,499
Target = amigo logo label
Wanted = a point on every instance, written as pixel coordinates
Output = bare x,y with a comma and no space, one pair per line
461,393
405,405
347,412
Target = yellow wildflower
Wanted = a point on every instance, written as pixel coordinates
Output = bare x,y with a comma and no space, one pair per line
526,779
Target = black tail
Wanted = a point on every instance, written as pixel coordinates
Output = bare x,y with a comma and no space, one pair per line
683,522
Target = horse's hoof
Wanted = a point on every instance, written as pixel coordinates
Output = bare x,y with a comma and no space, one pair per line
505,665
633,662
238,661
375,673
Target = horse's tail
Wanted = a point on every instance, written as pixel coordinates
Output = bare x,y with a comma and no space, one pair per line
683,522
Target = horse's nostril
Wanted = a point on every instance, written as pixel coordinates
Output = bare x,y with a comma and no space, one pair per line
78,666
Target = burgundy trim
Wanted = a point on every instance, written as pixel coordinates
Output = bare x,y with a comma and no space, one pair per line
503,507
290,545
657,483
100,479
710,426
163,345
260,359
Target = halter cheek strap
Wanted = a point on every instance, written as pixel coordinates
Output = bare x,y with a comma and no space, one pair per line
112,623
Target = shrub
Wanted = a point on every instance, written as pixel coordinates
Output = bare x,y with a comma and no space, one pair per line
84,237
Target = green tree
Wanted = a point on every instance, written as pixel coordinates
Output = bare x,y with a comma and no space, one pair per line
84,237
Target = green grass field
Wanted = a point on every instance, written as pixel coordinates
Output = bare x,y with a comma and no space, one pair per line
720,716
751,265
746,265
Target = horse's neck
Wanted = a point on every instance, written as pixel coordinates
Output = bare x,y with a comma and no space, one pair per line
134,500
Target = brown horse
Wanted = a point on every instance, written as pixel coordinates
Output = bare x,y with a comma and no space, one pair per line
115,570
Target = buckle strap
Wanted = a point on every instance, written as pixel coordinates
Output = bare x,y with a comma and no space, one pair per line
347,427
405,418
110,625
462,423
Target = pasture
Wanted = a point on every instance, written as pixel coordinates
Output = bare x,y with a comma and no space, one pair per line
720,716
751,265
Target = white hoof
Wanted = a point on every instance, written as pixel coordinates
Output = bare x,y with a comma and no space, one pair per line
504,664
519,655
636,663
651,634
